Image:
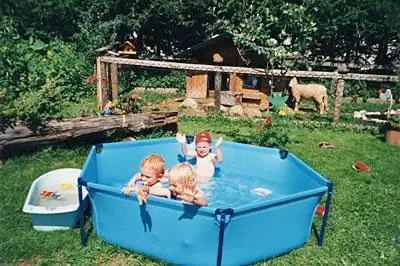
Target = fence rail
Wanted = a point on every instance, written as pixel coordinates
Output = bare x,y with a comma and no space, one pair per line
247,70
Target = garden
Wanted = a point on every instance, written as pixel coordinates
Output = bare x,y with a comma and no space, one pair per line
47,74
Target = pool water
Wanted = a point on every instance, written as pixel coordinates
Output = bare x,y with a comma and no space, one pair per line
230,191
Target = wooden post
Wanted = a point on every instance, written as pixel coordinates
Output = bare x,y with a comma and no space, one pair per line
114,81
104,84
99,85
338,100
232,82
217,88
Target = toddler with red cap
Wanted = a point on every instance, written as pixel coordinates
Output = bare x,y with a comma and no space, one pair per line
205,160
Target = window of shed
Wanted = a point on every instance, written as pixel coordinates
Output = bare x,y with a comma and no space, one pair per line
252,82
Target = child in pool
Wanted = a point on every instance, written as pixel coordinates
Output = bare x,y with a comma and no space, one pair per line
148,180
182,184
205,160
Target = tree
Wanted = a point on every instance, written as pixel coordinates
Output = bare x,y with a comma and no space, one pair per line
354,31
273,28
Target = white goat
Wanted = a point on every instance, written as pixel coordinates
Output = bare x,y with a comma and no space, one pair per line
316,92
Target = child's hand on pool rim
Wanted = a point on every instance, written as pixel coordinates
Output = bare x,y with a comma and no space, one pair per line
142,194
186,195
127,190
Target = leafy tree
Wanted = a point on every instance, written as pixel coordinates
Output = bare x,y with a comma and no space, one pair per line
355,30
159,27
44,19
273,28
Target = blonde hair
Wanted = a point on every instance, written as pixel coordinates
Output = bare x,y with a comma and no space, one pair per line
155,162
182,174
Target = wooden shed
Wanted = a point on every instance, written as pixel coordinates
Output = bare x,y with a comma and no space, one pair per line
221,50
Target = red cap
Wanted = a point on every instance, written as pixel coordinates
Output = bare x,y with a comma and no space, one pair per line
203,137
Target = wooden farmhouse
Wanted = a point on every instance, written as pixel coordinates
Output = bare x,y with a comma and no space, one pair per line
221,50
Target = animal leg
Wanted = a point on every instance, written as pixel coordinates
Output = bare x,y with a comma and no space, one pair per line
297,104
326,103
319,104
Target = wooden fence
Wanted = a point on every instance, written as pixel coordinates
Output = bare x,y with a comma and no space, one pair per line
107,76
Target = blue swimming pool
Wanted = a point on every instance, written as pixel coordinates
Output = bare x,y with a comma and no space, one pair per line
239,226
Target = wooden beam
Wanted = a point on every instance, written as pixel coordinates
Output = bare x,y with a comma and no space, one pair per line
99,85
104,84
114,81
247,70
338,100
217,88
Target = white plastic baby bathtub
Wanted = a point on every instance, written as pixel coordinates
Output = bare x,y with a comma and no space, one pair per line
54,212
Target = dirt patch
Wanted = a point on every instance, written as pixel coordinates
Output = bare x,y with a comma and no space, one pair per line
174,105
29,261
119,260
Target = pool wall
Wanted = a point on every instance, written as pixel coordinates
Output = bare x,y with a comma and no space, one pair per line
184,234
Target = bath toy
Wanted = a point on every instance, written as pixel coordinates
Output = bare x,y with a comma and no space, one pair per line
65,185
50,195
361,167
261,191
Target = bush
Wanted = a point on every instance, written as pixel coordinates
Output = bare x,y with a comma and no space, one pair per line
269,133
37,78
153,79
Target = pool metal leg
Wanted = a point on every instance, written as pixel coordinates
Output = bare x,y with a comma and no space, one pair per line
82,214
325,217
223,217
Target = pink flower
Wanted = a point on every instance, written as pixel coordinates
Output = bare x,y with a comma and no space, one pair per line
90,79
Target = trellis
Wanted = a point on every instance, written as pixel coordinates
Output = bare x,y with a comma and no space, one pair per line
107,76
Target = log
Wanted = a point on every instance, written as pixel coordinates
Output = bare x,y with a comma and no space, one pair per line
88,130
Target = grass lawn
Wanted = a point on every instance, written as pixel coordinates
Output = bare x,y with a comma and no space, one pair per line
363,227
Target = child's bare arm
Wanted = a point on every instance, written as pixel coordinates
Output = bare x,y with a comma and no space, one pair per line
131,185
160,191
182,140
218,150
195,198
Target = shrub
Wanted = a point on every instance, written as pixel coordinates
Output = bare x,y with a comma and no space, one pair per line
153,79
37,78
269,133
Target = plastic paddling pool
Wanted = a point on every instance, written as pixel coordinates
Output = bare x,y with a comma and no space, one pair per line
261,204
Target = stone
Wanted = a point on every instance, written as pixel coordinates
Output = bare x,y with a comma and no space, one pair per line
236,110
252,112
189,103
223,108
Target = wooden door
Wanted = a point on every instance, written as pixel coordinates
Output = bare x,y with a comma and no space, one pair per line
196,85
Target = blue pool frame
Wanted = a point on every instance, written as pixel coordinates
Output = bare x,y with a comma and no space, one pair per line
222,216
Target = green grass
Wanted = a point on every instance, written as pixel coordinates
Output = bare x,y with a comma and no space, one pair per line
152,97
362,227
84,107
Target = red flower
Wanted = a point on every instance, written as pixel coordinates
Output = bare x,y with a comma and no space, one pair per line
259,127
90,79
268,121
